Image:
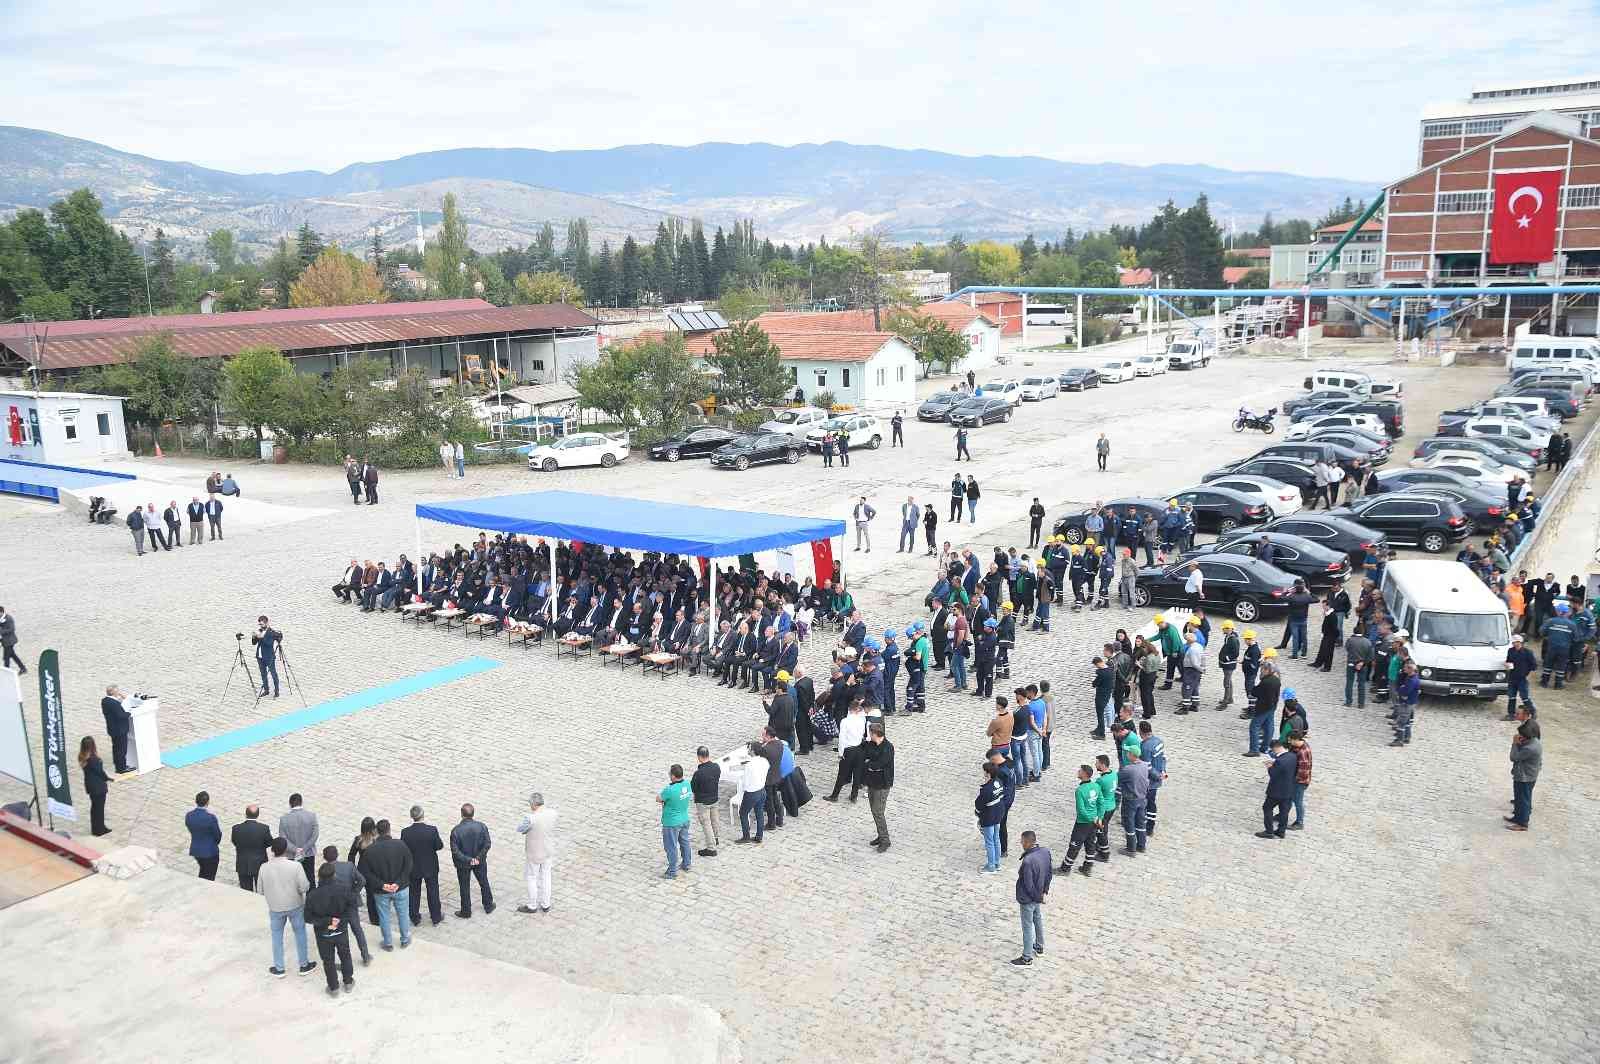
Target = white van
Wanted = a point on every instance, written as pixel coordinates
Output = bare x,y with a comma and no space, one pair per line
1344,379
1460,632
1539,352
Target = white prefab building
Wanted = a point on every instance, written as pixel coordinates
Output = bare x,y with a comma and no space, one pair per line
860,369
63,428
981,334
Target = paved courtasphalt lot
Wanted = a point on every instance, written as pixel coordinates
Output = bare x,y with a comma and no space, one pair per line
1403,925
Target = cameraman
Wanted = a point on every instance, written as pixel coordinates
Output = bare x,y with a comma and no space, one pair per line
266,640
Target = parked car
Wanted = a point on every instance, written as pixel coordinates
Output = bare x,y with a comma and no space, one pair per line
578,449
1321,395
1371,450
1481,446
1508,431
1581,378
1345,379
863,430
1336,533
1453,422
1317,565
1558,400
1009,390
1390,412
1071,526
696,443
1221,510
1575,387
1401,479
981,410
1425,521
937,406
1079,379
1469,464
1149,365
1118,370
1484,508
1387,388
1333,421
1309,451
1036,388
1241,586
1277,496
1192,352
1320,409
1286,470
796,421
759,449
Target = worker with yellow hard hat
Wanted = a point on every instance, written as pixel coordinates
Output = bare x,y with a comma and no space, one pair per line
1250,665
1228,660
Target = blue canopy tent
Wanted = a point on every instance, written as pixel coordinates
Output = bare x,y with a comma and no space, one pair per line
613,521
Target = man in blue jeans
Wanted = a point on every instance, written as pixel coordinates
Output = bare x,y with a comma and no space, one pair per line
1520,664
283,884
990,808
1268,686
752,795
1034,872
674,799
386,864
1299,605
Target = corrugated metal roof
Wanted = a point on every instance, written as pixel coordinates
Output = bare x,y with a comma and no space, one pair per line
74,344
544,394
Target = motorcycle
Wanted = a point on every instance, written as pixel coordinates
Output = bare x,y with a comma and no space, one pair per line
1263,422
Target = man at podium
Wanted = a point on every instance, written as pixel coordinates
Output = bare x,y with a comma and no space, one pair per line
118,723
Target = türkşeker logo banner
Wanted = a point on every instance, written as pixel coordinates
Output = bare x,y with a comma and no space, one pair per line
55,738
1526,209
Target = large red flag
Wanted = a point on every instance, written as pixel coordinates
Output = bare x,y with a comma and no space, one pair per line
1526,207
822,557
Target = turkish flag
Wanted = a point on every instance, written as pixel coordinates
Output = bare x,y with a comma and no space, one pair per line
822,558
1526,207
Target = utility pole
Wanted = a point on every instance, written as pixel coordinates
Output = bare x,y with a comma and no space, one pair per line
144,255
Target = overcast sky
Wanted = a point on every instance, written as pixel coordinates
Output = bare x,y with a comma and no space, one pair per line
1246,85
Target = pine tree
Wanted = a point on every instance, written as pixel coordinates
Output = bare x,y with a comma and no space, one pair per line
663,273
603,278
688,270
721,262
1029,251
542,251
704,289
630,274
309,243
163,270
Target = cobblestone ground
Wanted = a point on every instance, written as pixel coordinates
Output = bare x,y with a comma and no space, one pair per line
1403,925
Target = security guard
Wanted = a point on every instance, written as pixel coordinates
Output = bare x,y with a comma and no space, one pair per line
891,669
1228,660
1006,636
1250,663
1558,634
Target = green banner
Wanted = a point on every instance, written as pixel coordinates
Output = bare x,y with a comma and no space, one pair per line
57,784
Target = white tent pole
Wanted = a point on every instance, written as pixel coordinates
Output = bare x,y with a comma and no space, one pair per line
711,629
419,555
550,599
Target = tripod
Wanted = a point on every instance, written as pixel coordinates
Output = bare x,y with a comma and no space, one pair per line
238,660
288,674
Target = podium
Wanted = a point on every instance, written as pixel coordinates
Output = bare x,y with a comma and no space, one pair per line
144,739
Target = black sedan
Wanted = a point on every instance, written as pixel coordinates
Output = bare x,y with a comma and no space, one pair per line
1285,469
1323,395
1071,526
1222,510
1079,379
1401,479
1331,531
1309,451
1431,522
1559,400
1317,565
756,450
1241,586
1327,406
1375,452
980,410
937,406
696,443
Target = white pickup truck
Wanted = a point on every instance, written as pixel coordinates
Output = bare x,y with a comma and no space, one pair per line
1188,353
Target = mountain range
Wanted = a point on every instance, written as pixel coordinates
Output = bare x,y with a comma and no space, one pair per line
794,193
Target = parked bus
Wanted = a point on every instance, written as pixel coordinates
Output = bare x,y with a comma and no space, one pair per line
1049,314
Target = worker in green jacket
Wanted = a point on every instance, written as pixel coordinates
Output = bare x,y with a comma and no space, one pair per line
1086,802
1106,780
1397,660
1128,745
1170,640
917,658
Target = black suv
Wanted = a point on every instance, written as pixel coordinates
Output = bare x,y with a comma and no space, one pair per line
1486,510
1286,470
1244,587
1222,509
1427,521
1332,531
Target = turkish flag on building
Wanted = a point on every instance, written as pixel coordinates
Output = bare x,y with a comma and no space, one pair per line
1526,208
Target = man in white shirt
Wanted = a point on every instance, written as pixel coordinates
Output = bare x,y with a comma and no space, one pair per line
447,458
753,795
852,732
1194,585
538,830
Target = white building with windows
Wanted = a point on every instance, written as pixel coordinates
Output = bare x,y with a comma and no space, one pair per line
861,369
63,428
1358,263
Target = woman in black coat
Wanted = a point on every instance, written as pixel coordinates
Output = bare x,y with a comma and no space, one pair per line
96,783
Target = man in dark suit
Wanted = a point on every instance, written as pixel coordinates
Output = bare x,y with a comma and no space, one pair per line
214,516
197,517
118,722
350,582
369,477
424,843
1281,773
349,880
205,836
251,839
